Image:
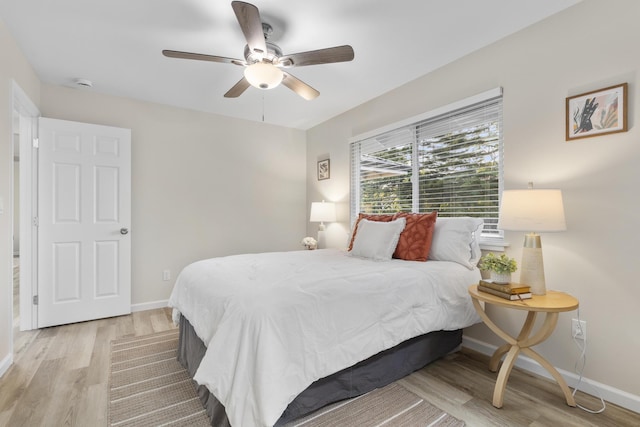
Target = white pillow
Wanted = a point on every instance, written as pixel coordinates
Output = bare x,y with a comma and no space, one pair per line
377,240
456,239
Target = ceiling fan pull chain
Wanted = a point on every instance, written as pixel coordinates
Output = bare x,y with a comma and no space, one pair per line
263,108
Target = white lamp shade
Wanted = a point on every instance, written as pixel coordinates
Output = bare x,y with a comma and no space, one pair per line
263,75
323,211
532,210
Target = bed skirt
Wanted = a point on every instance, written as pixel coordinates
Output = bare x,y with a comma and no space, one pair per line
374,372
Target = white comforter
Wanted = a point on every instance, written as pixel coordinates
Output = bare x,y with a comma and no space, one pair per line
274,323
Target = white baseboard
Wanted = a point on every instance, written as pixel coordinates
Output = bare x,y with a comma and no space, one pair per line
6,364
608,393
149,305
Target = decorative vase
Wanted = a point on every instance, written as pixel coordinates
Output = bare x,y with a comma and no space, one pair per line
500,277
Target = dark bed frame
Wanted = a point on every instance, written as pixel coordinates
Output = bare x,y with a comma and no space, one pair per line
374,372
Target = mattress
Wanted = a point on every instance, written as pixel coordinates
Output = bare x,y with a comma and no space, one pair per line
275,323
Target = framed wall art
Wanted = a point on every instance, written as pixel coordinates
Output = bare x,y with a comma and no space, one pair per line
324,169
597,113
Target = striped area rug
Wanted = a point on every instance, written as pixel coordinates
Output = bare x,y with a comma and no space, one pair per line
390,406
148,387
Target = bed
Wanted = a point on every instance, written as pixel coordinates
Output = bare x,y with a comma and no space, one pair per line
270,337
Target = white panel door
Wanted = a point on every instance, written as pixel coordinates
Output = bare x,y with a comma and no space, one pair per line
84,213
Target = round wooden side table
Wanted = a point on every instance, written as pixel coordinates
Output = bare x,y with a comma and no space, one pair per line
551,304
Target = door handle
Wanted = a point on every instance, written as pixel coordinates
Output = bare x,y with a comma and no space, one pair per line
124,230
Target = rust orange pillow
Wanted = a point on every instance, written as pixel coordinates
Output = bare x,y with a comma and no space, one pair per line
415,239
370,217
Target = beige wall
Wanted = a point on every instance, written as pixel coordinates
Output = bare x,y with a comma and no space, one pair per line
589,46
13,67
203,185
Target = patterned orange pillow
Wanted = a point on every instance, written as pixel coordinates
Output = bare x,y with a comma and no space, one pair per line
415,239
370,217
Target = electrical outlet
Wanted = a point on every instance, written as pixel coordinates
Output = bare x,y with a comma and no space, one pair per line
579,330
166,275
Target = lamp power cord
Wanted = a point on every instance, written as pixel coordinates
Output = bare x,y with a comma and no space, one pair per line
579,369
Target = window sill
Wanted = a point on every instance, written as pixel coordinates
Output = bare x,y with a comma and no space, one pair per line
497,244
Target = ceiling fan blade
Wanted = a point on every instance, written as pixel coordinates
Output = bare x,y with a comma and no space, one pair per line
321,56
202,57
237,89
251,25
299,87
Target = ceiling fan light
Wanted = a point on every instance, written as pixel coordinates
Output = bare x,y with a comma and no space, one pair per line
263,75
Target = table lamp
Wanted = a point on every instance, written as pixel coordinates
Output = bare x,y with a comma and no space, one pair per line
532,210
321,212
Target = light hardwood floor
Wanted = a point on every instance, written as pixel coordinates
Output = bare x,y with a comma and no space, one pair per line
60,378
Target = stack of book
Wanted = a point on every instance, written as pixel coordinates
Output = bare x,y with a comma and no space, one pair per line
510,291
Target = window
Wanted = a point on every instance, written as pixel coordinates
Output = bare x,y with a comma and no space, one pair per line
449,160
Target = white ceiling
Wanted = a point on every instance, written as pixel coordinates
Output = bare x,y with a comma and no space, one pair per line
117,45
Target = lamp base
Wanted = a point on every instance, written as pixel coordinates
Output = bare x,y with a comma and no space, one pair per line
322,239
532,266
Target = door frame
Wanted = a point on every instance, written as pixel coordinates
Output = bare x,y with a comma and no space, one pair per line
28,130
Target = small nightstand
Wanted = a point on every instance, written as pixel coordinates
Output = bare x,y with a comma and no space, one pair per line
551,304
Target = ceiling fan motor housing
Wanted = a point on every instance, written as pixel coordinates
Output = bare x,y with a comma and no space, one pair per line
273,53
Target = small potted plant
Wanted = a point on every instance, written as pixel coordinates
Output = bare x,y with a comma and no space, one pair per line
499,267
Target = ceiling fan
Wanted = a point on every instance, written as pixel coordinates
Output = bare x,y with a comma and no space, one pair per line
264,61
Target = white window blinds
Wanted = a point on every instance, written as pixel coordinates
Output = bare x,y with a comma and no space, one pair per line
449,162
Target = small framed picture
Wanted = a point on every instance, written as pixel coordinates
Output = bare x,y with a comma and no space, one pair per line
597,113
324,170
